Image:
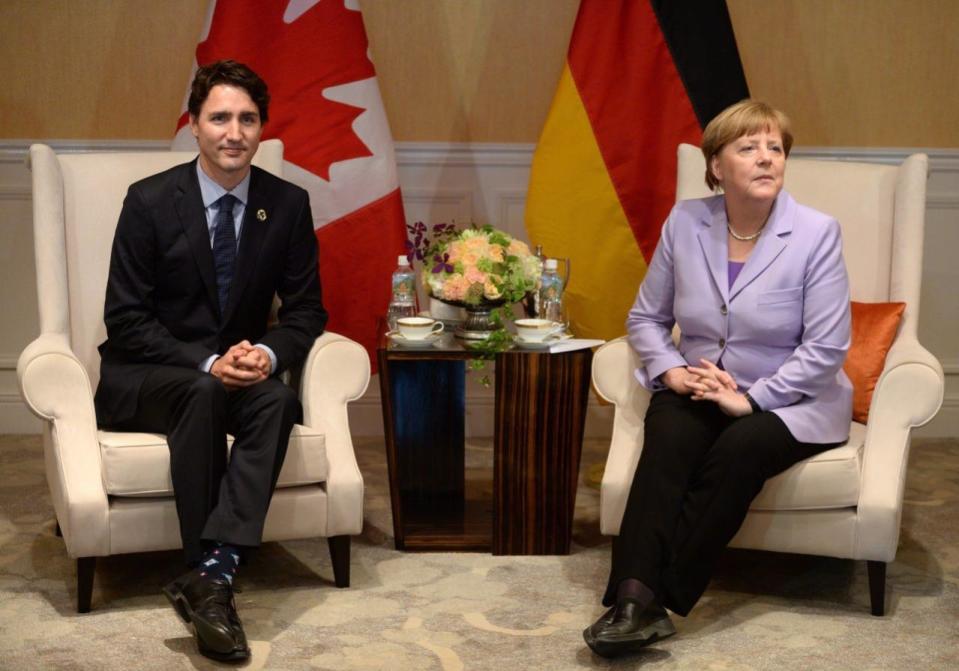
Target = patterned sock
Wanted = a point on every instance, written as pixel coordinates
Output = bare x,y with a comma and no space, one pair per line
220,562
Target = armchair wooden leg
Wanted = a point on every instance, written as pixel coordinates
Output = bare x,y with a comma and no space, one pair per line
340,554
85,566
877,586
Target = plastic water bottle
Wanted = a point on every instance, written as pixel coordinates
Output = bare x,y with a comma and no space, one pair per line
403,301
551,292
531,302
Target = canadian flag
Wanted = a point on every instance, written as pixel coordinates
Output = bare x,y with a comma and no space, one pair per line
325,105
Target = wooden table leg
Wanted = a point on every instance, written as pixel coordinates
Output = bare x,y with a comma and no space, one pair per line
424,408
540,416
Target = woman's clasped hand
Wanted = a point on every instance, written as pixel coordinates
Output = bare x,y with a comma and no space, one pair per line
709,382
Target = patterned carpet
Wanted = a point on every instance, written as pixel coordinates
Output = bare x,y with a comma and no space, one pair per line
475,611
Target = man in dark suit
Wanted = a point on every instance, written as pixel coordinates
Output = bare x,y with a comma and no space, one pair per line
198,254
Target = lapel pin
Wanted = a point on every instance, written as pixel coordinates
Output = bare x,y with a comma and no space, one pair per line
261,215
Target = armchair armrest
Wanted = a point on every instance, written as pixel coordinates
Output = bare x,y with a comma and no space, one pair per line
613,378
56,388
908,394
337,371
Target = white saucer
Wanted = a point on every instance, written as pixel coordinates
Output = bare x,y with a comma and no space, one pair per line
399,340
540,344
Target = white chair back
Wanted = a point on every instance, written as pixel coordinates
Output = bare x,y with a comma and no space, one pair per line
77,201
870,202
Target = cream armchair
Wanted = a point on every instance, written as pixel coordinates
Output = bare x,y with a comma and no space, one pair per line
111,491
846,502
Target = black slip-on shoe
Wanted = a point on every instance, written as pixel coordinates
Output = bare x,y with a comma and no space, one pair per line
605,620
630,628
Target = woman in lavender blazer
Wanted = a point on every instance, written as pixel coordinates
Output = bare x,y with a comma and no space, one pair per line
757,284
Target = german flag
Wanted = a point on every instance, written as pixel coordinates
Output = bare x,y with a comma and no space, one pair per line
641,77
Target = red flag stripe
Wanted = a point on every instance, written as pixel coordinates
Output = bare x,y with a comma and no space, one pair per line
354,251
637,106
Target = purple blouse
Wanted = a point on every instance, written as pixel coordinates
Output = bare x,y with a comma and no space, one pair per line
733,270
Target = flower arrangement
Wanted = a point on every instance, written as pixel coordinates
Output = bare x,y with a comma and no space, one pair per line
474,266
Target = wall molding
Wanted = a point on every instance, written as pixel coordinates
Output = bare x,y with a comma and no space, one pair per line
17,151
16,193
456,197
940,160
950,366
942,202
15,417
488,155
492,154
945,423
507,201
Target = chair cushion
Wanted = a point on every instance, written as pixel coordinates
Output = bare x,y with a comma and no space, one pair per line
828,480
874,327
138,464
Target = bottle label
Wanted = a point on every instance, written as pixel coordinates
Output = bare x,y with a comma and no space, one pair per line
550,297
551,286
550,292
403,288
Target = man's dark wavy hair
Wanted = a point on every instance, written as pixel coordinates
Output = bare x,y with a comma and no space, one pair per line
233,74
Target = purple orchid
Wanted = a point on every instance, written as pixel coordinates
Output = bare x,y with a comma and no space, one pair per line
442,264
426,240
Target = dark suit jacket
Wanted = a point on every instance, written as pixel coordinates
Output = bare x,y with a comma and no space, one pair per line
161,300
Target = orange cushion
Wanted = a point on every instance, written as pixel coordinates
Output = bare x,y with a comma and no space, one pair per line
874,327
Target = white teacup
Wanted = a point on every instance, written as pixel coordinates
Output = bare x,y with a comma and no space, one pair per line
418,328
537,330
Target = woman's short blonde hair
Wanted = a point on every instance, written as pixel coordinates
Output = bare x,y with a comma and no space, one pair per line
744,118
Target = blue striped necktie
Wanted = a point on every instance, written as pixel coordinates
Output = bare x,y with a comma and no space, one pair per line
224,248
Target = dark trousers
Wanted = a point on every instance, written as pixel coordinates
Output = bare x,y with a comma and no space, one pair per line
697,475
216,501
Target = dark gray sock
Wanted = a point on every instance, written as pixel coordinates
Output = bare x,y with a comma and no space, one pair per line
631,588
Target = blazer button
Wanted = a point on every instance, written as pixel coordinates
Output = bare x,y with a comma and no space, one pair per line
724,310
722,342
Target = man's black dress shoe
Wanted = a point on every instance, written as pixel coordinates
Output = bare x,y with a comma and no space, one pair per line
628,627
209,605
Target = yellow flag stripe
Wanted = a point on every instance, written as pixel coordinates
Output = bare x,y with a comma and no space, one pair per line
572,210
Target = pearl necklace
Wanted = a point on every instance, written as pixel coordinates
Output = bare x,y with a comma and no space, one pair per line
744,238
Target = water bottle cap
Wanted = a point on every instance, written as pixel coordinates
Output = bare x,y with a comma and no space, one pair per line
551,264
403,260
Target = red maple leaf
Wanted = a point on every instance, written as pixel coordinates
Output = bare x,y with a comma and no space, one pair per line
325,46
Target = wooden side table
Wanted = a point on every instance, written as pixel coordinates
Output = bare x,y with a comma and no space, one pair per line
540,409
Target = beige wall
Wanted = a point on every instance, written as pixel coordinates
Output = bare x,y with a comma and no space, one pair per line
849,72
94,69
856,73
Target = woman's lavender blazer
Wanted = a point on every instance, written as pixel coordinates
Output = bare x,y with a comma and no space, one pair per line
782,329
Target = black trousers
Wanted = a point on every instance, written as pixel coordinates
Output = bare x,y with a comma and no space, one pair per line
217,501
697,475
